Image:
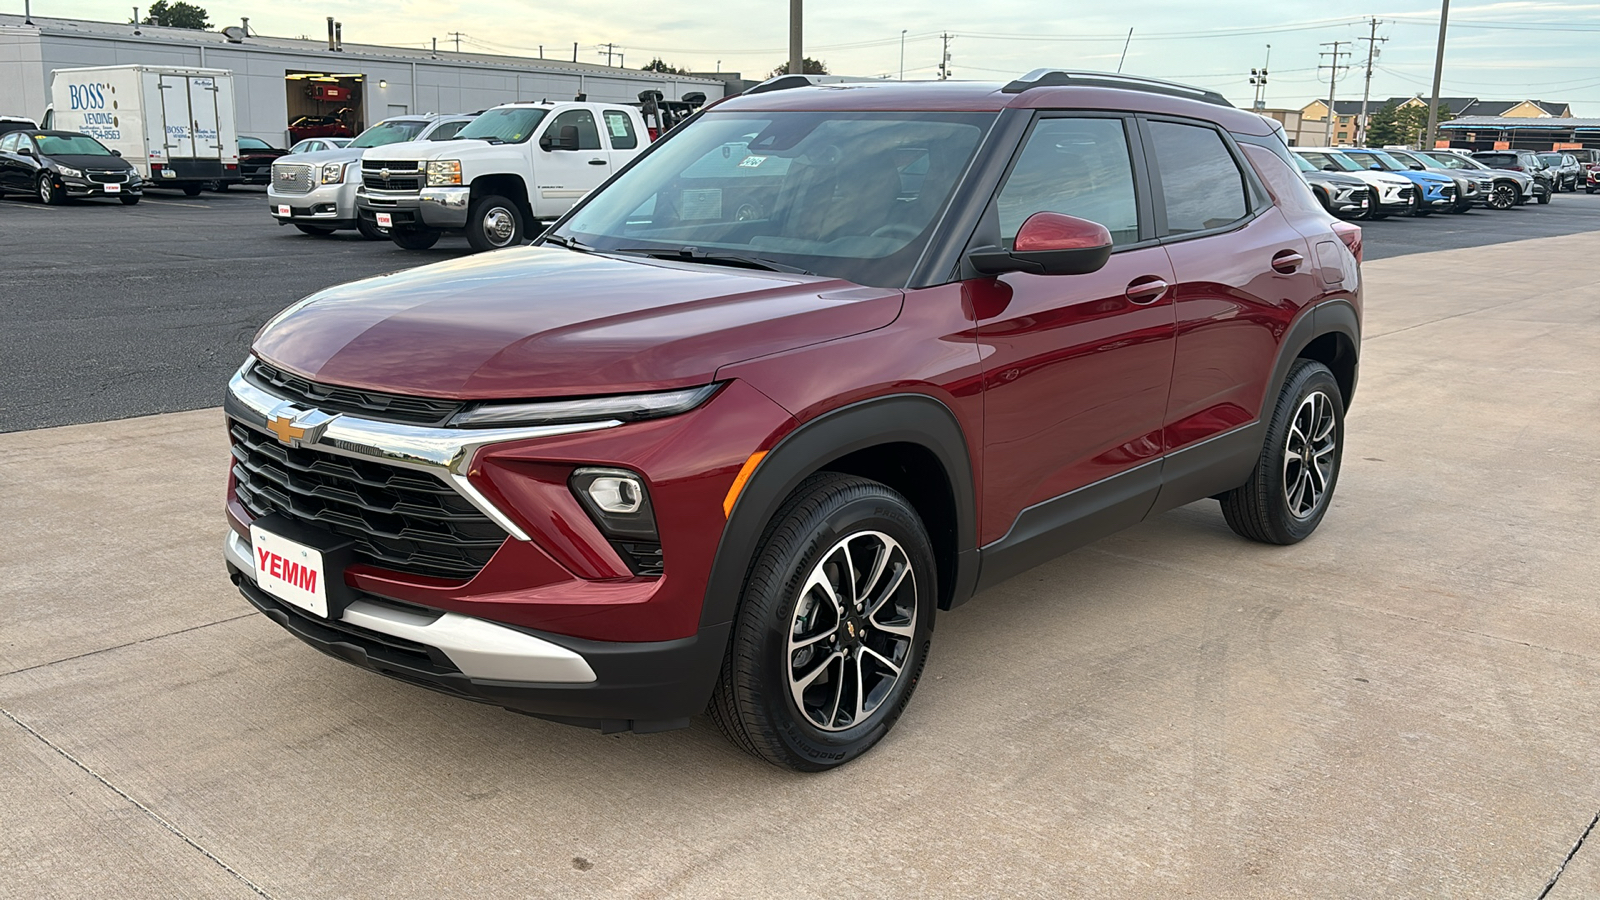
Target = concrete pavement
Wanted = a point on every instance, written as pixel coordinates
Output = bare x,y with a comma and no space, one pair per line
1406,705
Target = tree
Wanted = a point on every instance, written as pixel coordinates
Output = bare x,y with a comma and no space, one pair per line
1385,127
656,65
177,15
808,65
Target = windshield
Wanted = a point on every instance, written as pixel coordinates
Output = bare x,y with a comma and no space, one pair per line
1500,160
1455,161
1339,161
1550,159
1387,161
852,196
388,133
1302,165
509,125
76,145
250,143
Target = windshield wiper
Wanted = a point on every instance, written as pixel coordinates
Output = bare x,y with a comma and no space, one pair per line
568,243
695,254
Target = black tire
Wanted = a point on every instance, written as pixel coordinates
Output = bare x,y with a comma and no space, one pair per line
1322,198
753,702
316,230
192,190
1545,197
414,239
1501,196
1588,190
1263,509
129,200
1419,207
49,194
494,222
220,187
369,230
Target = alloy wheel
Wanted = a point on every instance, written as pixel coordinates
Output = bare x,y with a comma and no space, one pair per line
1308,456
1504,196
851,634
47,190
499,226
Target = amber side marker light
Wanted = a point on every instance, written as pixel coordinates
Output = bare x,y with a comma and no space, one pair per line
745,471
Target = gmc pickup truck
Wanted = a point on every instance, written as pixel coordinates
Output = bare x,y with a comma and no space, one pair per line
514,165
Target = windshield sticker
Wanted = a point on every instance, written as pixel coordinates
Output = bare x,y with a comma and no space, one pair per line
751,162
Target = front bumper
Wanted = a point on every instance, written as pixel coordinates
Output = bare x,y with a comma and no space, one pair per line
434,207
84,187
333,205
1351,201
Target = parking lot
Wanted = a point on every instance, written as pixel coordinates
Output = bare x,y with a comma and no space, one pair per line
1406,705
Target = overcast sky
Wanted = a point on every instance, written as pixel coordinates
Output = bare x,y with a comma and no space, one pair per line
1516,49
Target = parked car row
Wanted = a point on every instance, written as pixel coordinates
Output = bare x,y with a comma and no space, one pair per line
1368,183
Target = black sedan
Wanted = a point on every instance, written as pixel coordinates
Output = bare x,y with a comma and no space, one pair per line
56,165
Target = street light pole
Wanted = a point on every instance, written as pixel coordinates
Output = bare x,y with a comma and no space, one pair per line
902,54
797,64
1438,73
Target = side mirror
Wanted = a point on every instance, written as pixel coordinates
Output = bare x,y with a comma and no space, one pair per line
1417,166
1330,167
1049,244
1375,167
116,153
25,150
565,139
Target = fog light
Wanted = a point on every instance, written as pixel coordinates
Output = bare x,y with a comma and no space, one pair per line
617,493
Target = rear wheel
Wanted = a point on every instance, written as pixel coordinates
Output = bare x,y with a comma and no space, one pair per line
833,626
318,230
415,239
191,190
494,222
1293,482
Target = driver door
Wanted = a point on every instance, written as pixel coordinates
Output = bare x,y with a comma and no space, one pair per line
1077,367
562,176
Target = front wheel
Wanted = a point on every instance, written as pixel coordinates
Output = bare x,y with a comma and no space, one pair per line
49,194
1504,196
1545,197
833,627
494,222
1293,482
129,199
415,239
370,230
316,230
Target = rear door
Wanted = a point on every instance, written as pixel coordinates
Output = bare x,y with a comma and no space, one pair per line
205,119
1243,274
176,120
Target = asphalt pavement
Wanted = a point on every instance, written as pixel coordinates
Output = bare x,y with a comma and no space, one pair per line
1406,705
113,311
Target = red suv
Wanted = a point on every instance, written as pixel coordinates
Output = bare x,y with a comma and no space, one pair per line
823,364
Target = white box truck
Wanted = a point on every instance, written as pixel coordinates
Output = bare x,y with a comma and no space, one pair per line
175,125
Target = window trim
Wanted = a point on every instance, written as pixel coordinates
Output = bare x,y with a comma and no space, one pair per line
1256,198
550,130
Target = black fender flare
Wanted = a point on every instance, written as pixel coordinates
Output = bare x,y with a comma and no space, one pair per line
1333,316
896,418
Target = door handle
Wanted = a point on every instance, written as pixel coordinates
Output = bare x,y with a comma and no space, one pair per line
1285,262
1147,289
597,162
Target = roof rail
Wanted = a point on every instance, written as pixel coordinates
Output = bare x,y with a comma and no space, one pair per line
785,82
1066,78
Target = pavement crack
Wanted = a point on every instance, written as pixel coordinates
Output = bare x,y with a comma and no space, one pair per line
150,813
153,637
1550,885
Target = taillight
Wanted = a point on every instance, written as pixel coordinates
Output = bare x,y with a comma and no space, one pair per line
654,132
1351,235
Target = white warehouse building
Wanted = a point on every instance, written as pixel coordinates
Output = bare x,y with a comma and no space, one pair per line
278,80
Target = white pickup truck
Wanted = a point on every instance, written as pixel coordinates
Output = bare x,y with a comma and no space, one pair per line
514,165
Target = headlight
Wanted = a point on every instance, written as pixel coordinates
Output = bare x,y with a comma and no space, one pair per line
71,172
333,173
443,172
626,408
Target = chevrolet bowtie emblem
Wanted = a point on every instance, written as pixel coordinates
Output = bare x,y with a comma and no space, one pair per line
384,174
297,427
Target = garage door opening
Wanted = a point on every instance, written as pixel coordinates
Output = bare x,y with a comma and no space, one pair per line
324,104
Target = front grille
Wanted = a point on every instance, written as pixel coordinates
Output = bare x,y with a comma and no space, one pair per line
399,519
108,177
1407,194
404,175
292,179
369,404
1449,191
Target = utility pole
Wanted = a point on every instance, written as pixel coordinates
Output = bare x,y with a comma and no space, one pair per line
944,58
610,50
1366,92
457,36
1334,67
797,56
1258,80
902,54
1438,72
1124,57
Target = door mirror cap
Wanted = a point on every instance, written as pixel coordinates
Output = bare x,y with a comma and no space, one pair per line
1049,243
1330,167
25,150
1375,167
116,153
1417,166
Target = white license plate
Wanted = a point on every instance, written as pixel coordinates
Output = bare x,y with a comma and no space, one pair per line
385,220
113,188
290,571
283,211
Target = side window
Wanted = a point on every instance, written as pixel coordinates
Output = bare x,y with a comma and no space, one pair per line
1079,167
9,142
619,127
446,131
583,120
1203,186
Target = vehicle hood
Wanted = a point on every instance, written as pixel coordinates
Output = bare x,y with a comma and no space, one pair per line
547,322
1372,176
344,154
1335,178
92,161
451,149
